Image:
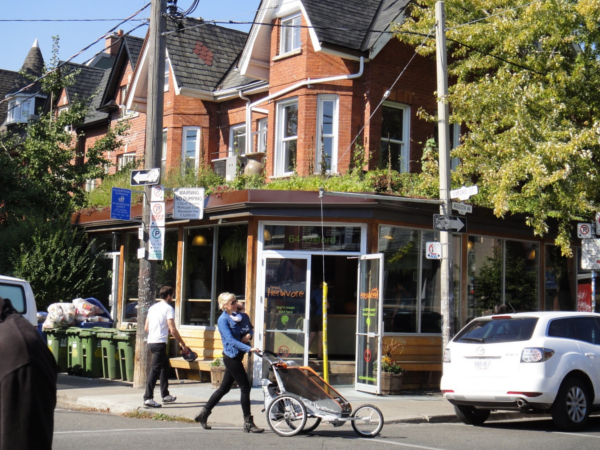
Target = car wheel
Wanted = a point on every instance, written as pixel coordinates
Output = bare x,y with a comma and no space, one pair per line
571,409
471,415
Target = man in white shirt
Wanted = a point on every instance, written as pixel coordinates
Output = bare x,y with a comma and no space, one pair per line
160,320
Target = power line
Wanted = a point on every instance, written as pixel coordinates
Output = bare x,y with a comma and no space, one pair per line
69,20
493,15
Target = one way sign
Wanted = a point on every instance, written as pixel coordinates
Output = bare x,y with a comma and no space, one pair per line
449,223
145,177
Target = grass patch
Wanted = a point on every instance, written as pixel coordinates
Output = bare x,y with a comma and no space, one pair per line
140,414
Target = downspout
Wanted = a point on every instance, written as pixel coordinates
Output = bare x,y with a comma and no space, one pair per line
248,147
252,106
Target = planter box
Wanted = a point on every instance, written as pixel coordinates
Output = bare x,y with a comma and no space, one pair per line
216,377
391,383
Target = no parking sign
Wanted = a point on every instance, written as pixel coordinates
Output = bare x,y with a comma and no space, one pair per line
584,230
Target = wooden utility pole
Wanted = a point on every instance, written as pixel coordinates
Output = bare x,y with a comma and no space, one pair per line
444,164
154,127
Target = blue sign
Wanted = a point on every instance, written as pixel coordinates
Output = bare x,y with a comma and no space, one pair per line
120,204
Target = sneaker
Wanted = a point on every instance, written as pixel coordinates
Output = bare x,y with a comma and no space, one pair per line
150,403
169,399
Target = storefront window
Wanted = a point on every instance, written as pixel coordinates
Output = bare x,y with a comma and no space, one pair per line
210,270
559,281
521,276
312,238
165,271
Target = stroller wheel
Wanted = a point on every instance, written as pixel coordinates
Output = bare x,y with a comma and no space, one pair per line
311,424
286,415
369,421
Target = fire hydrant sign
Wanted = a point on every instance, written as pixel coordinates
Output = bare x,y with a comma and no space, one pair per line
157,214
188,203
156,244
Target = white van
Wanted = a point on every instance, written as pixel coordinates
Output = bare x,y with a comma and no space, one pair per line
21,296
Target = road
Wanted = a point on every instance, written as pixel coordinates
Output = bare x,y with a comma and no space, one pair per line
76,430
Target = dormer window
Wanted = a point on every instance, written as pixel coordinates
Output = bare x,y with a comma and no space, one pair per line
19,110
290,34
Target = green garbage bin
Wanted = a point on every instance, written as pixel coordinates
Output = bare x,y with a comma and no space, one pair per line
91,354
57,343
74,360
110,357
126,351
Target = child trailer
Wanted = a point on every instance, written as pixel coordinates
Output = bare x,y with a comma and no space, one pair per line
298,400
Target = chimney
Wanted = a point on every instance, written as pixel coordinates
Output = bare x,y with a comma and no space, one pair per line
112,43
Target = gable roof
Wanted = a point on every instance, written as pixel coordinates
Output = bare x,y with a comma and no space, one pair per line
129,51
7,79
88,87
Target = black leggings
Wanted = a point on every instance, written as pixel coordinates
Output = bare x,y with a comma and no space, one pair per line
234,371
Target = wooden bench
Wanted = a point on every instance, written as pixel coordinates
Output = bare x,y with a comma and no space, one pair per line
422,366
202,366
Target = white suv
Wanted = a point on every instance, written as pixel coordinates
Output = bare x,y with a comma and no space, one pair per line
529,362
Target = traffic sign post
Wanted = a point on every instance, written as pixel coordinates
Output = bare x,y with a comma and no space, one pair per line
145,177
120,204
453,224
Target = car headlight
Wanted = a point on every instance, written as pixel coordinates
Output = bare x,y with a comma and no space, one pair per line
535,354
447,358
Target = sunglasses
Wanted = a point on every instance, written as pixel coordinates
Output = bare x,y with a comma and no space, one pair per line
233,302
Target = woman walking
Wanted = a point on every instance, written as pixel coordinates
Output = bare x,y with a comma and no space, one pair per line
234,347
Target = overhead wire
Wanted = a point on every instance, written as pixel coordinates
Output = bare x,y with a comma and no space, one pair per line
491,15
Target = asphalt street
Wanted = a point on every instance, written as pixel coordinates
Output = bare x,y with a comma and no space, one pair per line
76,430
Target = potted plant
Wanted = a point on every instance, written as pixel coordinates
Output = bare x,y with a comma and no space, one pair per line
391,372
217,370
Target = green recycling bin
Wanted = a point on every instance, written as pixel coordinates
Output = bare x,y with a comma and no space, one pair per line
110,357
57,343
91,354
126,351
74,360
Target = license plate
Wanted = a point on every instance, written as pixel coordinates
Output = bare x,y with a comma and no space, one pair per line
483,365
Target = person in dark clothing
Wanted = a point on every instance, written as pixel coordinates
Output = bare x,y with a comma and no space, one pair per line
28,375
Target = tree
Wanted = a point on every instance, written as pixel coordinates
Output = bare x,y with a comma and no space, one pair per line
525,84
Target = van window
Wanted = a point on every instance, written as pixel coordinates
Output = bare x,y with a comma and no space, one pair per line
16,294
584,329
497,330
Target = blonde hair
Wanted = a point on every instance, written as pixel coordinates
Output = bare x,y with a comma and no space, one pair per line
225,298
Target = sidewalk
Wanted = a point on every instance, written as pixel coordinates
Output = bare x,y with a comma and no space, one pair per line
119,397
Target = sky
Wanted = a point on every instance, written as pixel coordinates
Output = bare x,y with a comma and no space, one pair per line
18,37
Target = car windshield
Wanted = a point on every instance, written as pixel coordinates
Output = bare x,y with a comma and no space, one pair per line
490,330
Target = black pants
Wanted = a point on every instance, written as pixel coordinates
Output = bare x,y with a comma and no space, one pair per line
234,371
160,369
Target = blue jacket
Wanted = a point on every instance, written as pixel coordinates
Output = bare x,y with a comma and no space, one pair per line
231,335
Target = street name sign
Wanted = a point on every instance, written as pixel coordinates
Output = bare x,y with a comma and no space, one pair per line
145,177
188,203
584,230
434,250
464,192
462,208
453,224
120,204
156,244
590,254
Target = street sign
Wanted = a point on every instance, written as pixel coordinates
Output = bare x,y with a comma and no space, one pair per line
584,230
157,214
454,224
597,223
120,204
462,208
188,203
590,254
434,250
464,192
157,193
156,244
145,177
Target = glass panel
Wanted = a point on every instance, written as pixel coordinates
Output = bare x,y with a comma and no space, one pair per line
239,141
16,295
261,137
391,154
431,292
332,239
521,276
401,276
328,110
289,150
197,277
285,307
368,322
392,123
291,121
499,330
190,143
484,261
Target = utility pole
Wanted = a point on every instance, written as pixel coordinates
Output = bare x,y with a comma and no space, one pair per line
154,126
444,165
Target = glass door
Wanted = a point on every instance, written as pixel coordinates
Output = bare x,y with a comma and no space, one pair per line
286,295
369,324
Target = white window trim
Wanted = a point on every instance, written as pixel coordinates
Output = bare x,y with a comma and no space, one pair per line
283,41
279,157
64,109
262,134
14,113
232,130
184,156
335,132
13,106
124,159
405,132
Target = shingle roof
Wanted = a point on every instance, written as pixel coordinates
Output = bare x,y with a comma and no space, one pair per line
33,66
346,22
134,48
128,52
233,79
88,87
201,56
7,80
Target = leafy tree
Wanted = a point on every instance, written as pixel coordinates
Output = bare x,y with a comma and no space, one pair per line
525,84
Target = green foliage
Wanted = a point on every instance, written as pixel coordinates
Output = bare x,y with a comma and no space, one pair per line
526,86
217,362
59,263
234,249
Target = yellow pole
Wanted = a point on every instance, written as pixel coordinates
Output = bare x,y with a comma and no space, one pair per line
325,364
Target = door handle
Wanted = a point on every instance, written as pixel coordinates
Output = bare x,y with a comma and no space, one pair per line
590,355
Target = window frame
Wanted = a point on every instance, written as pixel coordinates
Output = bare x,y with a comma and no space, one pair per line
124,159
232,135
405,143
322,98
262,131
289,23
184,157
280,141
